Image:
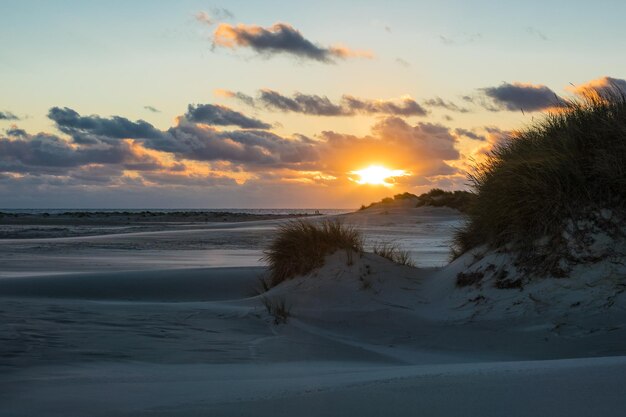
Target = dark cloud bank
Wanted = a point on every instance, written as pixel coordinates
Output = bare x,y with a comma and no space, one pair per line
5,115
222,116
316,105
99,149
519,96
280,38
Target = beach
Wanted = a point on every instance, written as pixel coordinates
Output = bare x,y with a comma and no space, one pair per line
172,322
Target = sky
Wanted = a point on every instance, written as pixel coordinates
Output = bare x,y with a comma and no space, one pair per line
242,104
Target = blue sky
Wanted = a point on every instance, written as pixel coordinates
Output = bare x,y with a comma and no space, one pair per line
114,58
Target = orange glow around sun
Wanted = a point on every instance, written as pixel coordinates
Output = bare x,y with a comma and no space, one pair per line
378,175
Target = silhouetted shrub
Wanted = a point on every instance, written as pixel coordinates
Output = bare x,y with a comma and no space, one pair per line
404,196
436,197
460,200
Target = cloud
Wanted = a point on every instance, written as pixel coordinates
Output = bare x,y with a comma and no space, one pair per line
404,106
192,138
421,149
152,109
204,17
254,147
445,40
316,105
448,105
493,137
603,87
216,14
244,98
14,131
5,115
281,38
302,103
403,62
469,134
91,129
222,116
520,96
537,33
463,38
99,154
46,154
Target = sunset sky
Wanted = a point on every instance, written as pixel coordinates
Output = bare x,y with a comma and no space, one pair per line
190,104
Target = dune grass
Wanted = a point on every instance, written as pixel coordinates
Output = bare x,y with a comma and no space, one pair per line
393,253
568,165
277,308
301,246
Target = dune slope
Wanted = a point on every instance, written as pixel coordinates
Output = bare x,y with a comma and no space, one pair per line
365,336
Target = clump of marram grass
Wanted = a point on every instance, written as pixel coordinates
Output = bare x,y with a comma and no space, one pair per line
277,308
393,253
566,167
301,246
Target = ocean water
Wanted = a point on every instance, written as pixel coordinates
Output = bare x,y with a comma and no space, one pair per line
259,211
84,248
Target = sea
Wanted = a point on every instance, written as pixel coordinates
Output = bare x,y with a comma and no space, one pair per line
257,211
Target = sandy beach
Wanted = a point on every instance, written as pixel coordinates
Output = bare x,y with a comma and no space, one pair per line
170,323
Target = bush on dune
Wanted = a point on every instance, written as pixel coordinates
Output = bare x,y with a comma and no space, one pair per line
566,167
300,247
460,200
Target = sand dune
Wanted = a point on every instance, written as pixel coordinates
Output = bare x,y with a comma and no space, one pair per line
205,284
366,337
557,388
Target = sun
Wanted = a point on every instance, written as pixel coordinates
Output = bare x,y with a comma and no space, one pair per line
377,175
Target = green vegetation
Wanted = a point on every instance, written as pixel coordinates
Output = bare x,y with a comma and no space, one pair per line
300,247
567,167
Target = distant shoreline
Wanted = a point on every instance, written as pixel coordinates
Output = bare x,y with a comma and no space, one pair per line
278,211
32,224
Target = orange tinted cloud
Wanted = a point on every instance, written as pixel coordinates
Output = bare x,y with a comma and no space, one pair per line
345,52
219,92
600,87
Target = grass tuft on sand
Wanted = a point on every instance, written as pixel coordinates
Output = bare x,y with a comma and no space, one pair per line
567,166
301,246
278,309
393,253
